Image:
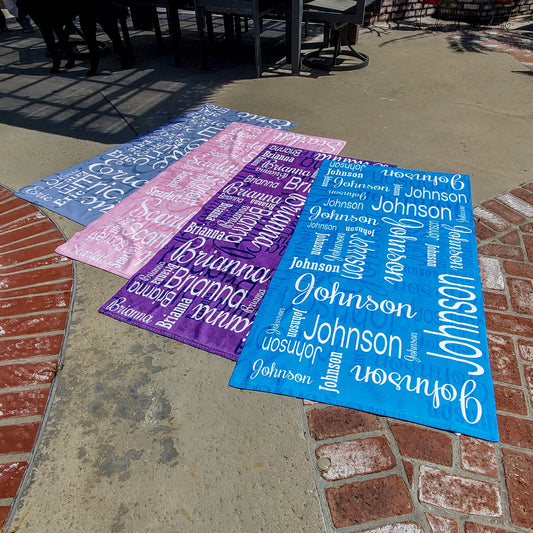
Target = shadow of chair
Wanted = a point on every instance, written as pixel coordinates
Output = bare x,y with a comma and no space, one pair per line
232,10
342,20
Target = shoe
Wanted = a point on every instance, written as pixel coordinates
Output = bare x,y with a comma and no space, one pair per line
26,25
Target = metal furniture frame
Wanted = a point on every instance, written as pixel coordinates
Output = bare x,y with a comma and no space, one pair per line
171,7
338,16
254,9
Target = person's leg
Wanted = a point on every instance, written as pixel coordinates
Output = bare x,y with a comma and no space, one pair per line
49,39
63,35
88,29
3,22
108,23
23,17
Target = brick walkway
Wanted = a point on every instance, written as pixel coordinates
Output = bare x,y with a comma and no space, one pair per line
380,475
516,44
374,474
35,293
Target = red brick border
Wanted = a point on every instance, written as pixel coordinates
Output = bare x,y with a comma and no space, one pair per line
35,294
443,482
376,470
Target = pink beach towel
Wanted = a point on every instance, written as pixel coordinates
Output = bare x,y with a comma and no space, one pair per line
123,239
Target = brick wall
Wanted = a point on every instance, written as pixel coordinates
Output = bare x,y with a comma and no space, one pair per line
473,11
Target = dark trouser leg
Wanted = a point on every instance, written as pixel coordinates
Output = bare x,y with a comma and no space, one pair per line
109,24
88,28
3,22
50,42
63,35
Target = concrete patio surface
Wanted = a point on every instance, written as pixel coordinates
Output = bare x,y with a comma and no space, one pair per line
142,433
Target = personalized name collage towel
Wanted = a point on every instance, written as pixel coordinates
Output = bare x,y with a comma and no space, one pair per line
325,277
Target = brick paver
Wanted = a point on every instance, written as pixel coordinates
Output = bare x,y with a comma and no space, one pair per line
518,46
376,470
443,482
35,295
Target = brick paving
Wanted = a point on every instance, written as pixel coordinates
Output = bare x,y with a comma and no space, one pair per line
35,293
380,475
374,474
518,46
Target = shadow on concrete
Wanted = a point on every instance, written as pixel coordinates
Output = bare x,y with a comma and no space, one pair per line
465,37
482,41
117,105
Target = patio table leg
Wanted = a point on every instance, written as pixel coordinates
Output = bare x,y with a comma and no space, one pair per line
174,29
296,35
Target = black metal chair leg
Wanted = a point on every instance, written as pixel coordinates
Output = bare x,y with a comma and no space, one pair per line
174,29
157,28
210,31
200,24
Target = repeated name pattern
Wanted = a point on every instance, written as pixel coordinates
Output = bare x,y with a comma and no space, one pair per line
87,190
204,287
377,302
122,240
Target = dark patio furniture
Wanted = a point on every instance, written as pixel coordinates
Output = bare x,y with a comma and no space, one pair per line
152,21
341,19
254,9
